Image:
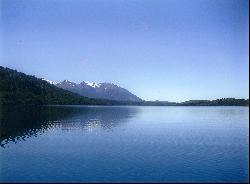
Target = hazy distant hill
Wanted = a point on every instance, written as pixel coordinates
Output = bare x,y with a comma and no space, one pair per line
101,90
217,102
19,88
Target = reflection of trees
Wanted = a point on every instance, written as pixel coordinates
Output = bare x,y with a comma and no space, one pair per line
21,122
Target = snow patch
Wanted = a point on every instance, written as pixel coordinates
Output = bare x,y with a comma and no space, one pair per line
49,81
92,84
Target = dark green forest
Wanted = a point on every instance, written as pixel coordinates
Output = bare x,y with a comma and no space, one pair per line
217,102
17,88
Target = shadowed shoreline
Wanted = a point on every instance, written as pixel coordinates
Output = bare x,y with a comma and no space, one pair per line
22,122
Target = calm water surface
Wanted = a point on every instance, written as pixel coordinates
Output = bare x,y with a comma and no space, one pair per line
124,144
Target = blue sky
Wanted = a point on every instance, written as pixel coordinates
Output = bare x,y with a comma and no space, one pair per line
171,50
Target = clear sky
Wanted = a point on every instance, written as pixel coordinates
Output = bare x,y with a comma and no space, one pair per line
171,50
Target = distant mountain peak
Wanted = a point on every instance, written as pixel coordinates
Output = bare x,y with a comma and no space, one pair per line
67,83
103,90
49,81
94,85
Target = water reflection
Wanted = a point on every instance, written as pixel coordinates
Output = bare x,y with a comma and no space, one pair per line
21,122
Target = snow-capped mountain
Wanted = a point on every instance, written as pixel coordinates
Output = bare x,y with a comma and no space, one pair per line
92,84
97,90
49,81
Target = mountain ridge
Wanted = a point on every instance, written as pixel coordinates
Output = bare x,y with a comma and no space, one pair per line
19,88
104,90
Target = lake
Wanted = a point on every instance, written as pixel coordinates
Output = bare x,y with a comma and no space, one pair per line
124,144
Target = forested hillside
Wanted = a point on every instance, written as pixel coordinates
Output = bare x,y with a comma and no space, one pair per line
19,88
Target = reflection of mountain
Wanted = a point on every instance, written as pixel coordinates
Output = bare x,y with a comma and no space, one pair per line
20,123
99,116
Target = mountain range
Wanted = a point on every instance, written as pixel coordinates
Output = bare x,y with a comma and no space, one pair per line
105,90
17,88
